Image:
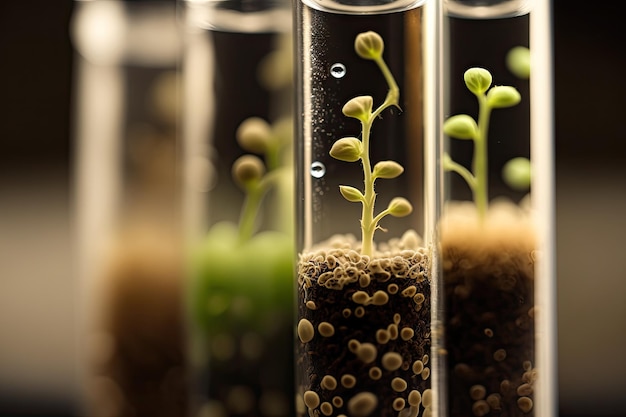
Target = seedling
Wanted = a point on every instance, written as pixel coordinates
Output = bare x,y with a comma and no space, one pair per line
254,176
462,126
369,45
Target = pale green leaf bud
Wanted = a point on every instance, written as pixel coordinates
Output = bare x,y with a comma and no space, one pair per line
477,80
400,207
254,135
517,173
350,193
359,107
503,96
461,126
248,169
387,169
369,45
347,149
518,62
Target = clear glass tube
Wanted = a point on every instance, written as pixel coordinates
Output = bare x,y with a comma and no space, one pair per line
497,227
366,106
127,208
238,134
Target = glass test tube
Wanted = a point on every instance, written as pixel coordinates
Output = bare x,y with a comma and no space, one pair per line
237,130
127,208
497,227
366,195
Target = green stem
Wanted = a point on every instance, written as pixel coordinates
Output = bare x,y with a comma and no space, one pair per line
463,172
479,164
252,203
367,214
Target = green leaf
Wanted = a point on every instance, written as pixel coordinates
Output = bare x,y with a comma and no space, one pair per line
518,62
359,107
369,45
503,96
517,173
347,149
477,80
461,126
387,169
254,135
351,194
400,207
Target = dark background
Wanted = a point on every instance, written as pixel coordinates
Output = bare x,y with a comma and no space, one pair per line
38,302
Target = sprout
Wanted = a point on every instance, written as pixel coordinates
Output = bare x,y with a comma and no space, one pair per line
462,126
254,135
248,170
369,45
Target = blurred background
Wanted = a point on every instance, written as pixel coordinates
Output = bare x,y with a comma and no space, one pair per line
40,303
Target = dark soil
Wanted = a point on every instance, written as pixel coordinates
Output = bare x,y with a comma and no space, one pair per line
384,324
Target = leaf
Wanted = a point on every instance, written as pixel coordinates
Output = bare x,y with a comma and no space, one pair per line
503,96
477,80
347,149
359,107
400,207
517,173
369,45
351,194
387,169
461,126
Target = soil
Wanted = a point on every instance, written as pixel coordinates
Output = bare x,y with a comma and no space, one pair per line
138,351
488,275
364,337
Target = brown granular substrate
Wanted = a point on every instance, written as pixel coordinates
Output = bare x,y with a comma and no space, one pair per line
488,275
393,294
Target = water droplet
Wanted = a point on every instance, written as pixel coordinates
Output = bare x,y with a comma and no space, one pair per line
318,169
338,70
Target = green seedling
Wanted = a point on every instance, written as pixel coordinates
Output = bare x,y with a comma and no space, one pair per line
255,176
370,46
462,126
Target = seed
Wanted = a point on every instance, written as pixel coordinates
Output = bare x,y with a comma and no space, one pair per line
364,280
346,312
393,331
380,298
494,401
382,336
525,404
488,332
362,404
505,385
480,408
425,359
305,331
527,365
477,392
427,398
360,297
359,312
326,329
311,305
366,352
348,381
375,373
406,333
419,298
499,355
415,398
392,288
311,399
396,318
398,384
353,345
328,382
418,367
524,390
392,361
337,401
409,291
398,404
326,408
425,373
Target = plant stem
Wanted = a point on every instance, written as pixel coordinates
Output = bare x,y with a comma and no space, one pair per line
252,203
479,164
367,214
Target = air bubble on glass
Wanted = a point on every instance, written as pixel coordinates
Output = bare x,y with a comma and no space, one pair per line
318,169
338,70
